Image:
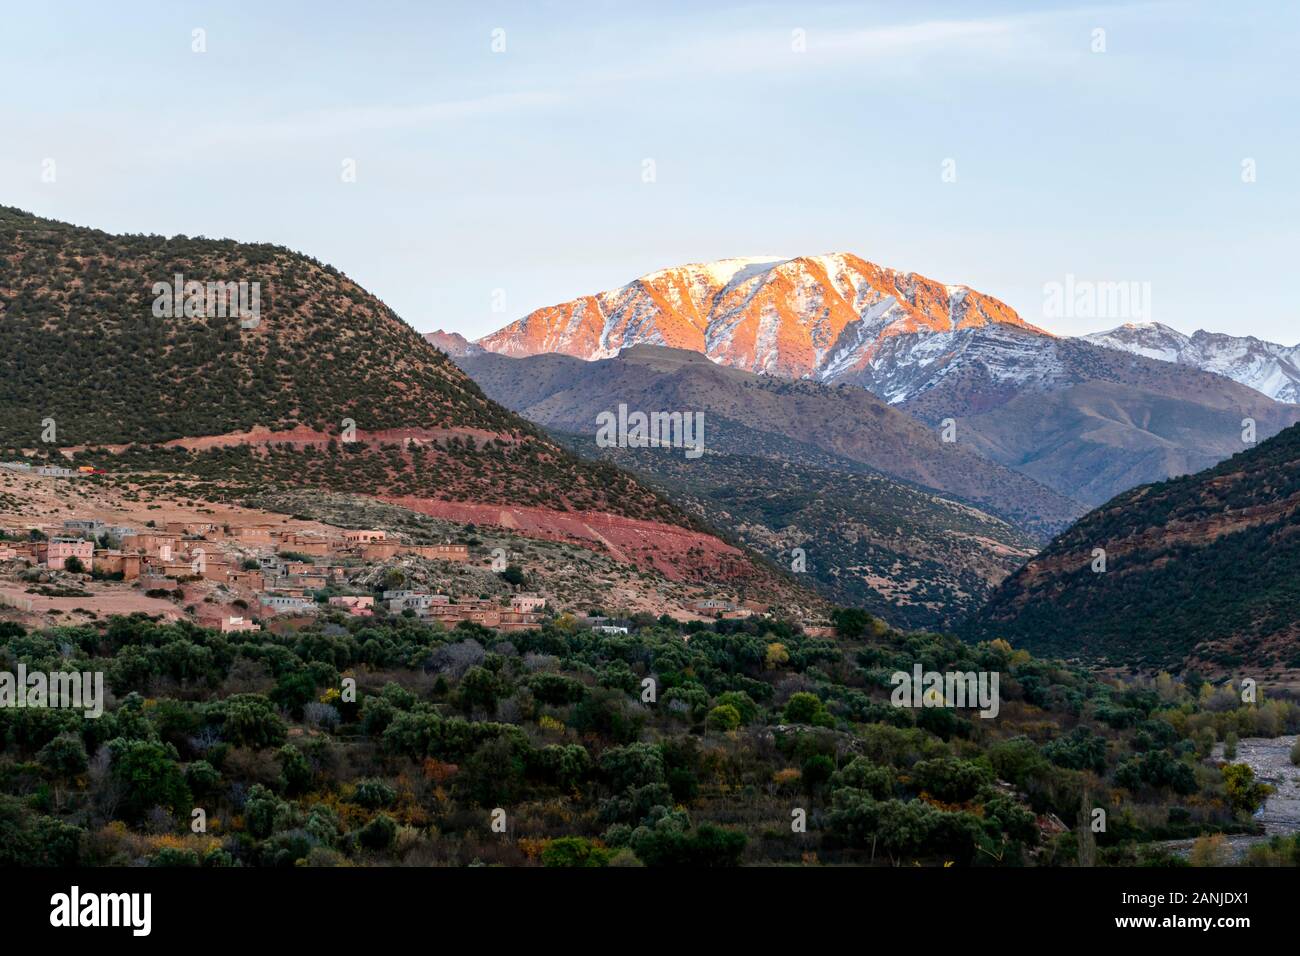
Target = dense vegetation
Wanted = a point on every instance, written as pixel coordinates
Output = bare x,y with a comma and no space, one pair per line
1200,568
752,727
77,310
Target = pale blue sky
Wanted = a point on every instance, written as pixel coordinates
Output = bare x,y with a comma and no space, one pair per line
522,170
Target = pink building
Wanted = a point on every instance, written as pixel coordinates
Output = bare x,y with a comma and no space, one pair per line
55,552
527,603
362,537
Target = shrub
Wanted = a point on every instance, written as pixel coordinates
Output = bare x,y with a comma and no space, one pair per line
575,851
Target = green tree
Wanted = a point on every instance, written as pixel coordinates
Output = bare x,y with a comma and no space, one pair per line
149,775
64,756
575,851
723,718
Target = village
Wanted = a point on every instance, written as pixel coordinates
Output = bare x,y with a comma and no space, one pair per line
237,571
236,579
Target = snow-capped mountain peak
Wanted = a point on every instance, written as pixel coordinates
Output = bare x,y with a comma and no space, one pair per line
1264,366
829,316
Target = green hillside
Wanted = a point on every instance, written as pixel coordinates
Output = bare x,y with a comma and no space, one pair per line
1201,569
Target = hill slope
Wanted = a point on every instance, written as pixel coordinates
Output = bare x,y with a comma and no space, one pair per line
912,557
328,388
839,427
1200,569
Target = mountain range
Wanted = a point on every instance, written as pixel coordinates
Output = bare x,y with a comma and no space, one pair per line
1084,420
887,515
845,428
1265,366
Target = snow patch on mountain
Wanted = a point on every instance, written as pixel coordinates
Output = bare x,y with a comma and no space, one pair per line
1264,366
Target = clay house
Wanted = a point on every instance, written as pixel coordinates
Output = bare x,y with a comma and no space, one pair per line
218,571
253,580
380,550
253,536
413,600
108,561
713,606
358,605
518,621
235,623
287,603
457,553
7,553
362,537
23,549
190,529
312,546
152,543
527,603
55,552
172,568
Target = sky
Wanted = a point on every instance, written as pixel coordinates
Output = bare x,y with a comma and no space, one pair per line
511,156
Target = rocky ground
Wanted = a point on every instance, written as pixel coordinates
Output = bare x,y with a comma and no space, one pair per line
1270,758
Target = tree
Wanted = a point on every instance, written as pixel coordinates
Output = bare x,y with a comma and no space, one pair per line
149,775
635,765
379,834
295,771
64,756
724,718
744,704
250,720
479,689
374,794
1245,795
575,851
816,771
950,779
806,708
706,845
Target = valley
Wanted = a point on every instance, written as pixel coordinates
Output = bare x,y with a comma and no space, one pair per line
356,601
